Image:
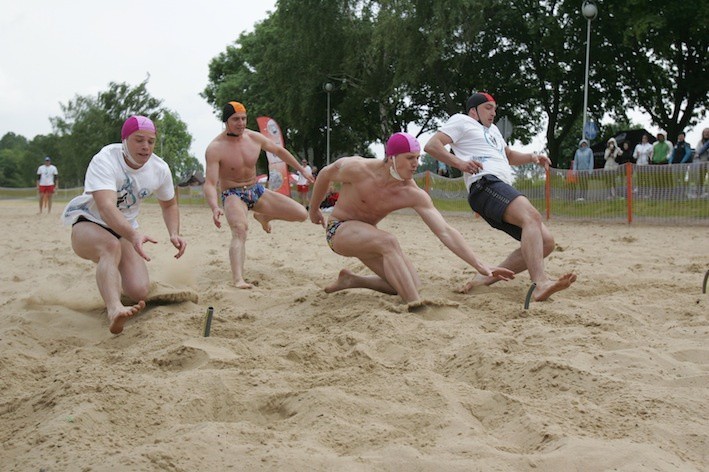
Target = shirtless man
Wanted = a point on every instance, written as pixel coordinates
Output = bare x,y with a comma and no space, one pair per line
103,218
371,189
231,162
485,160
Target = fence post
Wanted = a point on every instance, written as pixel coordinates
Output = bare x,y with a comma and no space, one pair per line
547,192
427,182
629,190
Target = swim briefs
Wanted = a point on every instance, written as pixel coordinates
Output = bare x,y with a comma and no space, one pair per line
248,195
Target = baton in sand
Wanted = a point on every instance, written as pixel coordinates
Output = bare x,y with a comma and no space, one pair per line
208,322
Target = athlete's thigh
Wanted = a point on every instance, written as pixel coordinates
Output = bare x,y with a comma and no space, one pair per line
361,240
278,206
520,211
90,240
235,210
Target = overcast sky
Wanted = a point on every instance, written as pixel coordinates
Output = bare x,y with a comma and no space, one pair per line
53,50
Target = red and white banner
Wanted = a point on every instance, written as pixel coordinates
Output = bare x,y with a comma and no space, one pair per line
277,169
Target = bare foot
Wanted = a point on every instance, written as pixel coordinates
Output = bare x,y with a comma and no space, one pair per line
119,317
243,284
546,289
264,220
345,280
478,281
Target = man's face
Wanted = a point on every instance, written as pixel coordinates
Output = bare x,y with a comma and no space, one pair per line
680,138
236,123
406,164
140,145
660,137
644,139
485,113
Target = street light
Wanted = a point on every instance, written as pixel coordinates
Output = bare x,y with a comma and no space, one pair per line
589,11
328,88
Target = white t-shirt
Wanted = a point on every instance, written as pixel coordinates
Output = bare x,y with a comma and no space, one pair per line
46,174
642,154
474,142
109,171
301,177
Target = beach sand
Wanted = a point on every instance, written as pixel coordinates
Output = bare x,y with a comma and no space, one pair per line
612,374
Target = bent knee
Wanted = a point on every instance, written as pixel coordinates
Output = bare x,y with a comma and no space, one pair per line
137,292
239,229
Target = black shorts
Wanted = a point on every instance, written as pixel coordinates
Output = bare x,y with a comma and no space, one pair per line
489,197
81,219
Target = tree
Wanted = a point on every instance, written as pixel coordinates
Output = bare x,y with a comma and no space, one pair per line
663,57
90,123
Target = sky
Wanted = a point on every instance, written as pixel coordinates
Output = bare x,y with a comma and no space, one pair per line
54,50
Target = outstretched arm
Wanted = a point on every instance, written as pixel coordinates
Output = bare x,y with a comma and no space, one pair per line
106,203
454,241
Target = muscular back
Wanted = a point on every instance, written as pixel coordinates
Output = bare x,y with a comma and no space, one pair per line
235,158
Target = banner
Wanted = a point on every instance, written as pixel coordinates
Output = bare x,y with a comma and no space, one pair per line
277,169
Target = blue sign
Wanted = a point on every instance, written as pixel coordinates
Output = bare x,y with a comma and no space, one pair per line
590,130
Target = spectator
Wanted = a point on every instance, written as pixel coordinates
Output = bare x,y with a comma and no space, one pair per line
610,154
303,184
642,154
626,154
643,151
661,150
682,152
701,162
583,167
661,179
47,183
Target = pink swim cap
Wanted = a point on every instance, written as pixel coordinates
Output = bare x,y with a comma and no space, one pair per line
400,143
135,123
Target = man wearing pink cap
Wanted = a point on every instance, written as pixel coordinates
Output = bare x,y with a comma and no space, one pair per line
103,218
483,156
371,189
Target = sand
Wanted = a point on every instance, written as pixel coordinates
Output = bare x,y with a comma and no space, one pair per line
612,374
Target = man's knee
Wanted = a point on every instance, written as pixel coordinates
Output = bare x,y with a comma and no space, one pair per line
239,229
137,292
388,243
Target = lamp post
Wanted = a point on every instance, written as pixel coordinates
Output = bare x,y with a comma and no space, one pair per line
589,11
329,87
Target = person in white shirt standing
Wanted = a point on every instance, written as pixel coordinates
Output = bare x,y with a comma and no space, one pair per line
47,184
103,218
483,156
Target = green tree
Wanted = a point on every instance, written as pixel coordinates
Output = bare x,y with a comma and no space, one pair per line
12,151
90,123
663,58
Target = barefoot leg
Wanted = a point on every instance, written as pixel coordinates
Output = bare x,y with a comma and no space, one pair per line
545,289
118,316
264,220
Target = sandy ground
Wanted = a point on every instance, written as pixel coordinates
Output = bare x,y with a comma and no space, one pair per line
612,374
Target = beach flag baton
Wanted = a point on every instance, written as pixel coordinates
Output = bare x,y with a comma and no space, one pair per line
529,295
207,325
704,285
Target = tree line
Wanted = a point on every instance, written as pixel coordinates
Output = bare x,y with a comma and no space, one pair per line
86,125
393,63
398,62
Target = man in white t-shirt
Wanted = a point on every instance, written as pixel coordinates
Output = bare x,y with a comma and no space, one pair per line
483,156
47,183
302,184
103,219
